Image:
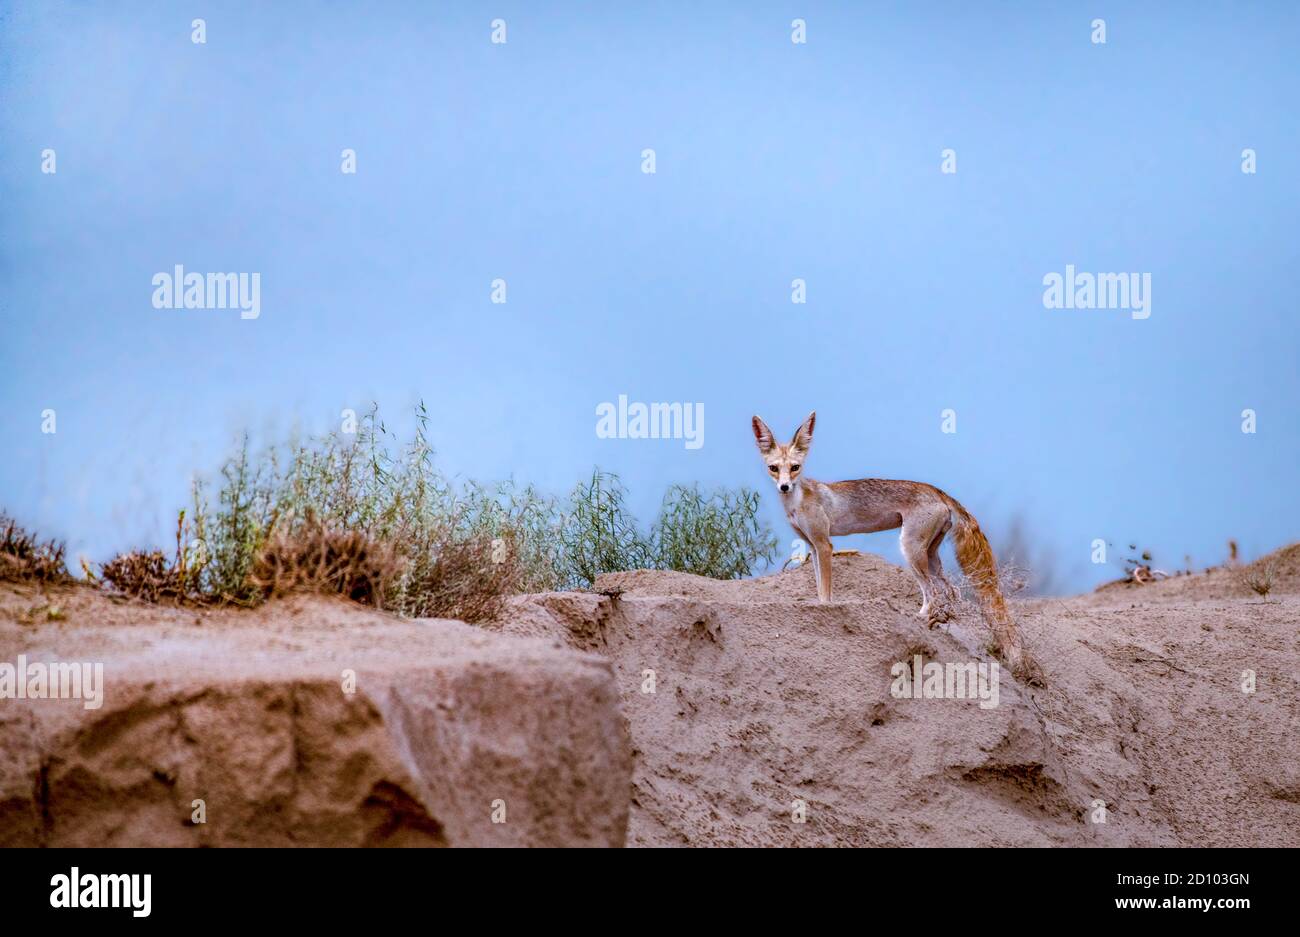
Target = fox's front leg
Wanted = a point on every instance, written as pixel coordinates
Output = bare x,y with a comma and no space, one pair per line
822,552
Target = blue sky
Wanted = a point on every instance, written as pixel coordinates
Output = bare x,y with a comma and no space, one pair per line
774,161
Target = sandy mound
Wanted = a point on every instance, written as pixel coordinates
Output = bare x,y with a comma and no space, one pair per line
448,725
710,713
766,706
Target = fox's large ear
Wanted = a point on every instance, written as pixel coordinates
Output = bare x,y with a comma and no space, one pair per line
763,436
803,435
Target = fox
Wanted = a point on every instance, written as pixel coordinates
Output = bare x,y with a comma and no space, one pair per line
820,510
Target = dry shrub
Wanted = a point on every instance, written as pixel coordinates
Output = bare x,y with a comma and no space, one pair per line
316,558
466,579
1258,576
23,558
148,576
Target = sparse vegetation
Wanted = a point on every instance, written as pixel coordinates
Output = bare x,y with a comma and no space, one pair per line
1258,576
466,579
144,575
598,534
24,558
365,516
150,575
717,535
315,558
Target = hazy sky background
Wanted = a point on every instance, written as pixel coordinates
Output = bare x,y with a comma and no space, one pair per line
775,161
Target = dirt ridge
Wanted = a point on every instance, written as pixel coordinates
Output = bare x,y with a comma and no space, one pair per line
765,700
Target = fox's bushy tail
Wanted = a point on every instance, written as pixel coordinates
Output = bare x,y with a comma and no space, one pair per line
981,569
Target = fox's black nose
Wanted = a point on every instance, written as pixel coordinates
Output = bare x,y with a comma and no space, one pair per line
785,487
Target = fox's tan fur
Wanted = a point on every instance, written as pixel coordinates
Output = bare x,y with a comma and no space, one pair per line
821,510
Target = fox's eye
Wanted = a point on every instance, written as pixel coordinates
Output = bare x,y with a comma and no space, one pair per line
772,468
794,468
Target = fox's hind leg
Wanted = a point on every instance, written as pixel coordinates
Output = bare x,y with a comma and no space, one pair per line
920,528
937,578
